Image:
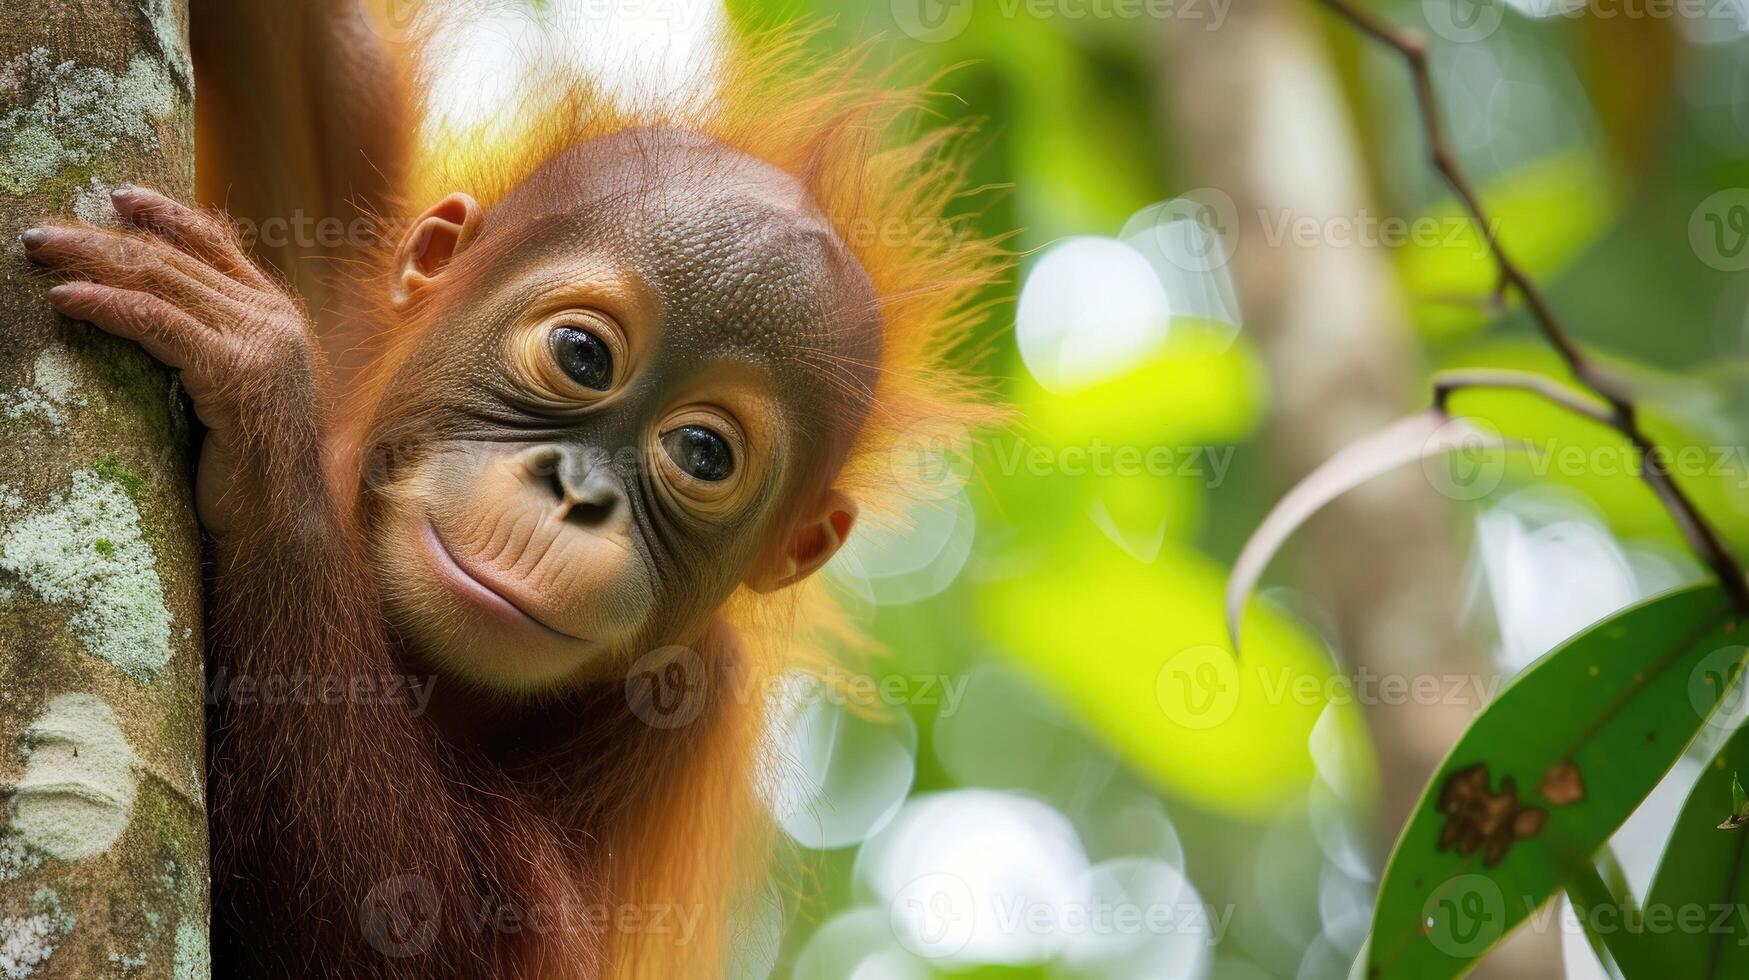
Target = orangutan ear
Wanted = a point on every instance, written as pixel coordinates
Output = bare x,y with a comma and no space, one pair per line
810,546
436,237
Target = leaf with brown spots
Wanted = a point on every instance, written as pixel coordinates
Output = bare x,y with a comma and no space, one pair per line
1477,818
1563,786
1521,803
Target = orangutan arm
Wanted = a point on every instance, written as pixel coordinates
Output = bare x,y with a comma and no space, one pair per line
302,133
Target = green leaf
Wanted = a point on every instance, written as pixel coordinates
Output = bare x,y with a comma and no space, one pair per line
1543,777
1602,908
1702,874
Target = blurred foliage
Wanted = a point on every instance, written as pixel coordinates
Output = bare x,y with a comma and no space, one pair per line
1544,213
1089,585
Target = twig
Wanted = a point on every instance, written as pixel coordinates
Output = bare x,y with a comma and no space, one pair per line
1623,414
1449,382
1494,302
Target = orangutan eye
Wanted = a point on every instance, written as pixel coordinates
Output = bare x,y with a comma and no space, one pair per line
584,357
700,453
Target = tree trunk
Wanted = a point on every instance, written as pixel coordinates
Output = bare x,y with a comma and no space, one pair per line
1264,123
103,841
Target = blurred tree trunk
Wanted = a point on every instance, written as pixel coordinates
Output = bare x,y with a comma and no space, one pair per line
1261,119
103,840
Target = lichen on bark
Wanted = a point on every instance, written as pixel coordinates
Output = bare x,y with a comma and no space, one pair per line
103,856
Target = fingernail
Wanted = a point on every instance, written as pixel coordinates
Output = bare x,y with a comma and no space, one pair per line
33,238
60,292
123,191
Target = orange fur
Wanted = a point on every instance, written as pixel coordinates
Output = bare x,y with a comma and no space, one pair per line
676,813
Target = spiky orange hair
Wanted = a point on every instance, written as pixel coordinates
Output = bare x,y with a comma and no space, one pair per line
890,187
849,134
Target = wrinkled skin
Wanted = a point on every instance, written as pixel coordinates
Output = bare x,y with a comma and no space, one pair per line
189,295
528,529
725,292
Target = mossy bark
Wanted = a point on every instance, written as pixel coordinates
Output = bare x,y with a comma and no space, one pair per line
103,839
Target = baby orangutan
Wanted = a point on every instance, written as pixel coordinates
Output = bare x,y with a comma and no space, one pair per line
621,386
626,394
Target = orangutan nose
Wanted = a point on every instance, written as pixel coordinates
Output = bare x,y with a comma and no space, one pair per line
583,483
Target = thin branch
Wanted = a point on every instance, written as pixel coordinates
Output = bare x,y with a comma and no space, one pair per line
1494,302
1450,382
1623,414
